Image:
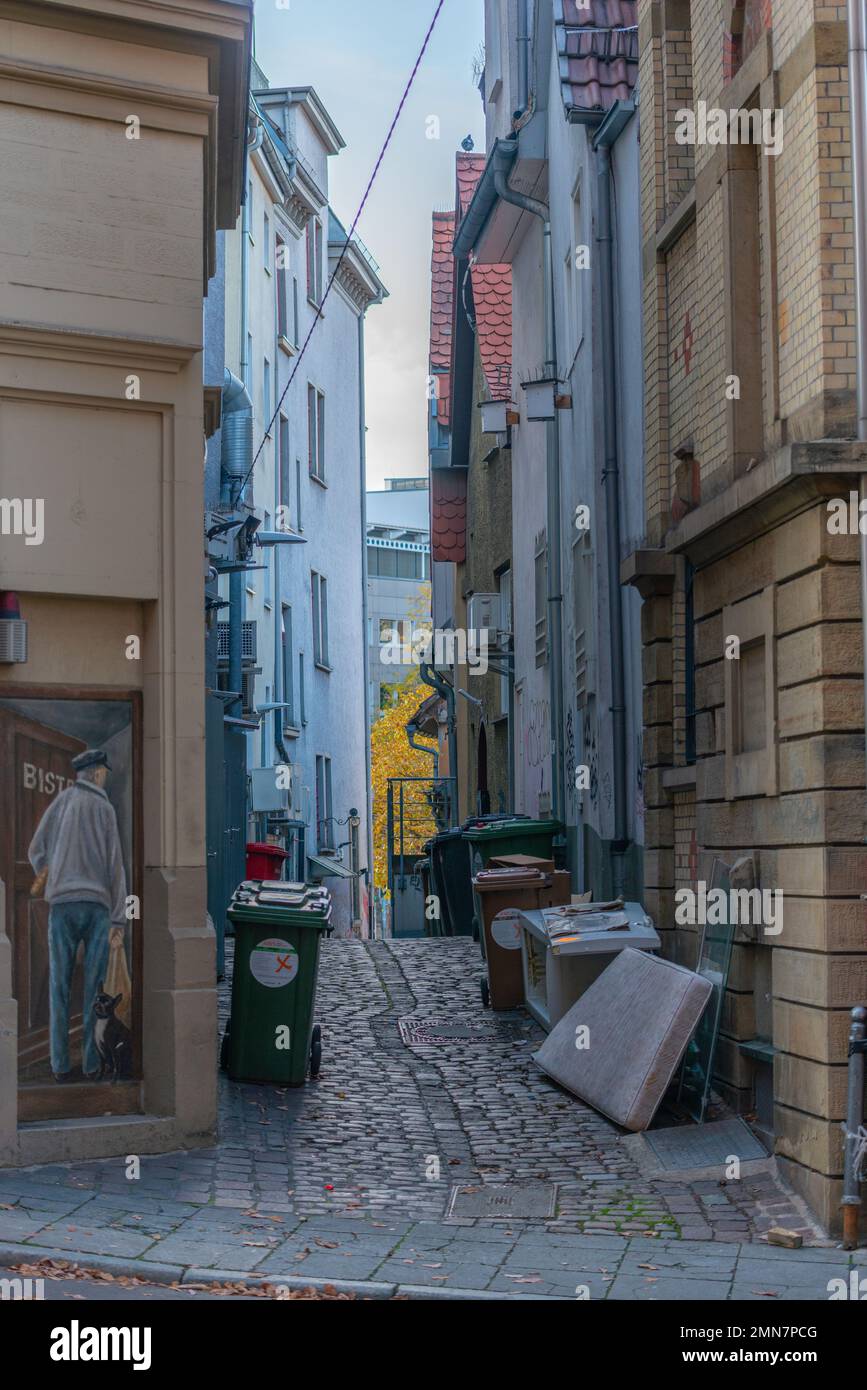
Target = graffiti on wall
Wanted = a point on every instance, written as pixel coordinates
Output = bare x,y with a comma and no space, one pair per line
537,738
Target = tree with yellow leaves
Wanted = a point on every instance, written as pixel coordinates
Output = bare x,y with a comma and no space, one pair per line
391,756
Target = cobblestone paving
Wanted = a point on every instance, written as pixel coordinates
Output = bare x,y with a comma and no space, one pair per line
350,1177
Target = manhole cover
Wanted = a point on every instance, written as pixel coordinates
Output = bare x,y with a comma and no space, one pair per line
517,1200
444,1030
704,1146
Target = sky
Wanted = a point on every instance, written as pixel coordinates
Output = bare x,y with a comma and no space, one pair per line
358,55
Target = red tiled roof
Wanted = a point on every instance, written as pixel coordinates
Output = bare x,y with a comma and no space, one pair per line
492,293
441,303
469,169
492,297
598,52
448,512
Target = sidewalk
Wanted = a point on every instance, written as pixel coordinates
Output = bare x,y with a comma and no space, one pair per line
351,1178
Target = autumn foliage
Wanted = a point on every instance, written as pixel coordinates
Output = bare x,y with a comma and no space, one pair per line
391,756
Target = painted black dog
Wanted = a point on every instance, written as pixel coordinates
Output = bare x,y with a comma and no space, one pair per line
113,1039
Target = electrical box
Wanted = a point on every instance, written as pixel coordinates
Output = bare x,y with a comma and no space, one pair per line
268,791
484,614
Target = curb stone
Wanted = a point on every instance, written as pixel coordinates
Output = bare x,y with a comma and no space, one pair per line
103,1264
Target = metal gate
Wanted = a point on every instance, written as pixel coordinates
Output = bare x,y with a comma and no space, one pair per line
417,807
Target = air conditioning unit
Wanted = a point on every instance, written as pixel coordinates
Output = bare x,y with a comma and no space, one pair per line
485,614
248,642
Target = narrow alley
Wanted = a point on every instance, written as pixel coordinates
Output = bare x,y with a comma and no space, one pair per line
349,1180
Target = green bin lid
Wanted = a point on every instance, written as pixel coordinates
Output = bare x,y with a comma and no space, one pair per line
499,830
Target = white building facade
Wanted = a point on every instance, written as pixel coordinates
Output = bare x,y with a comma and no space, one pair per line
305,682
562,135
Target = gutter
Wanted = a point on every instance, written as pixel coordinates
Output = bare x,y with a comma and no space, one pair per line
606,134
432,678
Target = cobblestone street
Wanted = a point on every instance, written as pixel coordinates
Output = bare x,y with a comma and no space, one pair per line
338,1180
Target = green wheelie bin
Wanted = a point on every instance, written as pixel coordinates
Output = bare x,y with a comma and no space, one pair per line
278,931
490,841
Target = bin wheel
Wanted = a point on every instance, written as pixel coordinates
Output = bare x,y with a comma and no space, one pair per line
224,1050
316,1051
485,991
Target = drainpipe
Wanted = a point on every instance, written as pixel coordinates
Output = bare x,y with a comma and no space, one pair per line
857,17
236,454
524,54
432,678
552,430
611,487
412,735
362,454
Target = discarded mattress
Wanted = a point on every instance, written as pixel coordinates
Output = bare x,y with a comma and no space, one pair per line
619,1045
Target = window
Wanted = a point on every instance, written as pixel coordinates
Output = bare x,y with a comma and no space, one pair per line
295,307
324,811
314,261
750,697
319,591
266,393
267,557
285,464
280,257
316,433
583,620
387,629
298,493
541,594
288,668
386,562
504,584
302,691
266,242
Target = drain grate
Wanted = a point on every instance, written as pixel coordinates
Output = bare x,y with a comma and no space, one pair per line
444,1030
515,1201
704,1146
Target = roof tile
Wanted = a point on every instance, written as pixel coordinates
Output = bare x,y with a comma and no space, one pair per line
448,509
598,52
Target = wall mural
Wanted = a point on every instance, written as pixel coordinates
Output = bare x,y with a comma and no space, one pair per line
68,860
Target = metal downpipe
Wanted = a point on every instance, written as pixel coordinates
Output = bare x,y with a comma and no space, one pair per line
611,489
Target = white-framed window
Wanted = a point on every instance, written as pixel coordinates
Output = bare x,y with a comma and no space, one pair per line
288,665
540,584
315,433
285,464
324,808
319,599
266,393
314,261
266,242
280,257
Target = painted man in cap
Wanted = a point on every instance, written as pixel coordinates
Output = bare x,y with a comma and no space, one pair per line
78,844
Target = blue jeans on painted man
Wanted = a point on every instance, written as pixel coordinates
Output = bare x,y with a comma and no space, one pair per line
69,924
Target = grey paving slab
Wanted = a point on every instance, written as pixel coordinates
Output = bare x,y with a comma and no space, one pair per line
100,1241
813,1275
178,1251
657,1289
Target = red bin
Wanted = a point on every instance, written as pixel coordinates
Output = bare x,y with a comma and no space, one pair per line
265,861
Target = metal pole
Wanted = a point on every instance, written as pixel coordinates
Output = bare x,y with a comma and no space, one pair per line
851,1202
